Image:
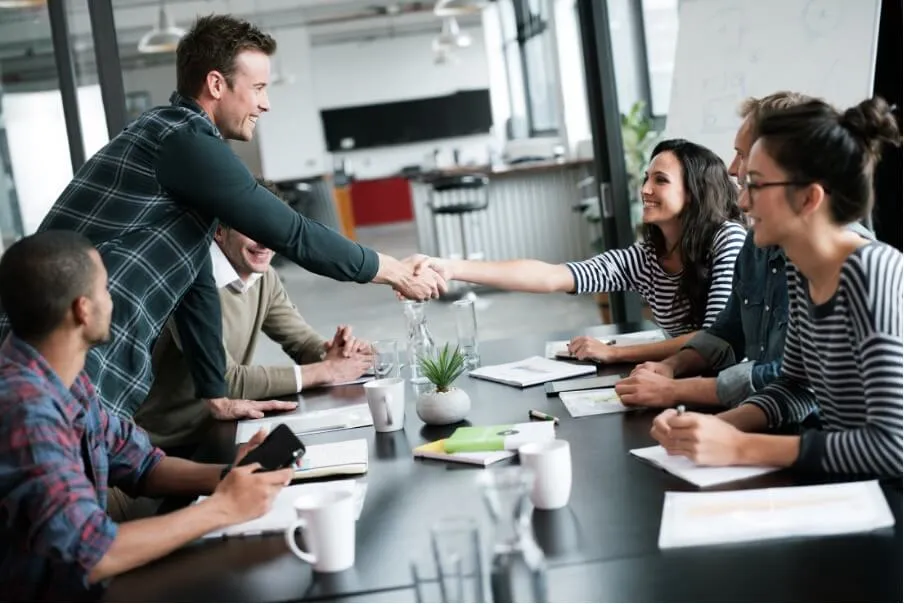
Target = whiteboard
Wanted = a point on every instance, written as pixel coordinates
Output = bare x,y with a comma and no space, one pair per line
729,50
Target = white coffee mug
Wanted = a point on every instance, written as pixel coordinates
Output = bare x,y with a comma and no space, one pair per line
328,521
386,399
551,465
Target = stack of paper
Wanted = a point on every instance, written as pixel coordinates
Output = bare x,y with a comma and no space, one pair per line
308,422
592,402
702,476
736,516
559,348
282,513
437,450
332,459
531,371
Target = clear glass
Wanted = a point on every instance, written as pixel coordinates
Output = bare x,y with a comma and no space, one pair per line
466,328
420,342
455,542
518,567
386,359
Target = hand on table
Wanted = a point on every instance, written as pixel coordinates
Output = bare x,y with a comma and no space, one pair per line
646,388
656,367
704,439
587,348
231,408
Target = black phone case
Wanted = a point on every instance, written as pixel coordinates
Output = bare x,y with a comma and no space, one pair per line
279,450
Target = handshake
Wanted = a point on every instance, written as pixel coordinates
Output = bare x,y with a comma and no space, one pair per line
417,277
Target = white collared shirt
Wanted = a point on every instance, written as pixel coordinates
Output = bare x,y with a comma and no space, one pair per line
225,275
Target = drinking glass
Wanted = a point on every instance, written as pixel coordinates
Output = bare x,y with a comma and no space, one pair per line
386,359
466,328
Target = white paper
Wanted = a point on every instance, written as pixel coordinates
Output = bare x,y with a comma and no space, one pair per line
282,513
702,476
559,348
690,519
308,422
531,371
592,402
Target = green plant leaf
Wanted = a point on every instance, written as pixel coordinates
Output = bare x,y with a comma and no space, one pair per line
444,367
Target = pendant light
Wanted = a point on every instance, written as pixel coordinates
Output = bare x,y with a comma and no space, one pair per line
164,37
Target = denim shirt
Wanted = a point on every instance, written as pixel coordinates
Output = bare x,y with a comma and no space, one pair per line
751,326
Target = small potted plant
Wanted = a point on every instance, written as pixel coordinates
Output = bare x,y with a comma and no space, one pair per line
444,404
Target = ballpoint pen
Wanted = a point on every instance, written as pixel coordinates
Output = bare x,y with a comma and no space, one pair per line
534,414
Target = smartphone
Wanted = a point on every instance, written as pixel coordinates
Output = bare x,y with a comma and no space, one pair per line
281,449
603,381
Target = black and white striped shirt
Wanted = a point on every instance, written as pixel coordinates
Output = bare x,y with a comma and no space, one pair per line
843,359
638,269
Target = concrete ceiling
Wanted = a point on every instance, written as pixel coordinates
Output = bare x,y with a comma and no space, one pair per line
26,51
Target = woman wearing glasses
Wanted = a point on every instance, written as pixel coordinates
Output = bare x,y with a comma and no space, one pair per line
683,267
810,174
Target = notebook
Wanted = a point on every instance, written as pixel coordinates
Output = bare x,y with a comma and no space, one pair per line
690,519
498,438
592,402
531,371
308,422
282,513
436,450
559,348
348,457
702,476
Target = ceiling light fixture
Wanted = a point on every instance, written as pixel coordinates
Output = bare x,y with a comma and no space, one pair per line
164,37
456,8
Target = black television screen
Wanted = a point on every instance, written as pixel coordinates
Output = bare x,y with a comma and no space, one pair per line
460,114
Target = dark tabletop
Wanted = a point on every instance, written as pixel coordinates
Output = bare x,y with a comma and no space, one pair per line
602,546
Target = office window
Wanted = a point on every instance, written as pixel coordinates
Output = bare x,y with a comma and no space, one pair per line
660,23
529,63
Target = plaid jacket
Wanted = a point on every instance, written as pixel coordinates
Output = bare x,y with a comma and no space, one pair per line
152,246
59,450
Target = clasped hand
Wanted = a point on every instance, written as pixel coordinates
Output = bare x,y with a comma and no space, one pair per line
704,439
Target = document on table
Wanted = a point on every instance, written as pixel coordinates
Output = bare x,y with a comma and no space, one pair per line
531,371
702,476
308,422
690,519
592,402
282,513
559,348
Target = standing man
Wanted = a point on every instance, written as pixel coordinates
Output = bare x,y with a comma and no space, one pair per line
151,199
60,450
253,300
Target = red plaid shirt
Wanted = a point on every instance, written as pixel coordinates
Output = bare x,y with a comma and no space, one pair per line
59,449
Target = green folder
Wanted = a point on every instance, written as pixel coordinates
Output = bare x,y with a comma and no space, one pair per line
498,438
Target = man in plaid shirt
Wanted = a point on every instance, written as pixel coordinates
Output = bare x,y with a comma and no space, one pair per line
59,448
151,199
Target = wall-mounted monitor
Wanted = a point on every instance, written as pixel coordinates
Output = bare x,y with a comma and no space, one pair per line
462,113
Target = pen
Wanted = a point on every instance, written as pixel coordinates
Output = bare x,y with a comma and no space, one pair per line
680,409
534,414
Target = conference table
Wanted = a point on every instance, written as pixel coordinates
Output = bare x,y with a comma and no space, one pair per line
601,547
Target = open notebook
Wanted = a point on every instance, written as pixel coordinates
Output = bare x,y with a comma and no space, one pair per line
308,422
558,349
702,476
347,457
531,371
282,513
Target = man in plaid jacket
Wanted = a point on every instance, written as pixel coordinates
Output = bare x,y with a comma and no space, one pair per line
150,201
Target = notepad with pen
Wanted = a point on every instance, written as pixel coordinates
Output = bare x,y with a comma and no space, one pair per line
504,437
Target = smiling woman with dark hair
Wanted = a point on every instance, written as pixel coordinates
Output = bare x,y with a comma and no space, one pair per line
682,267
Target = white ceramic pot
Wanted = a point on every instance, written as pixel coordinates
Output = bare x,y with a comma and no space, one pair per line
441,408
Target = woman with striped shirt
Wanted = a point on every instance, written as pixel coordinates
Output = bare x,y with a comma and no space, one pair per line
809,174
683,267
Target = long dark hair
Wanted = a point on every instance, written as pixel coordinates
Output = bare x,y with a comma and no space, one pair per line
711,200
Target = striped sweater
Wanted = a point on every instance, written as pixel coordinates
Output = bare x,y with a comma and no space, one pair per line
637,269
843,358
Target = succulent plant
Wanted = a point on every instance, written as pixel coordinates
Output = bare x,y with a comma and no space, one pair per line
443,368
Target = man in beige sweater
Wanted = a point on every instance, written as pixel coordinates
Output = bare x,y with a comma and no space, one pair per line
253,300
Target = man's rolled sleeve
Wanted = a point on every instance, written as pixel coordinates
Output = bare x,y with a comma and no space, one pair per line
717,352
734,384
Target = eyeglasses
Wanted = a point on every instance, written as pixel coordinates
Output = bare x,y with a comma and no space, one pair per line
750,186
